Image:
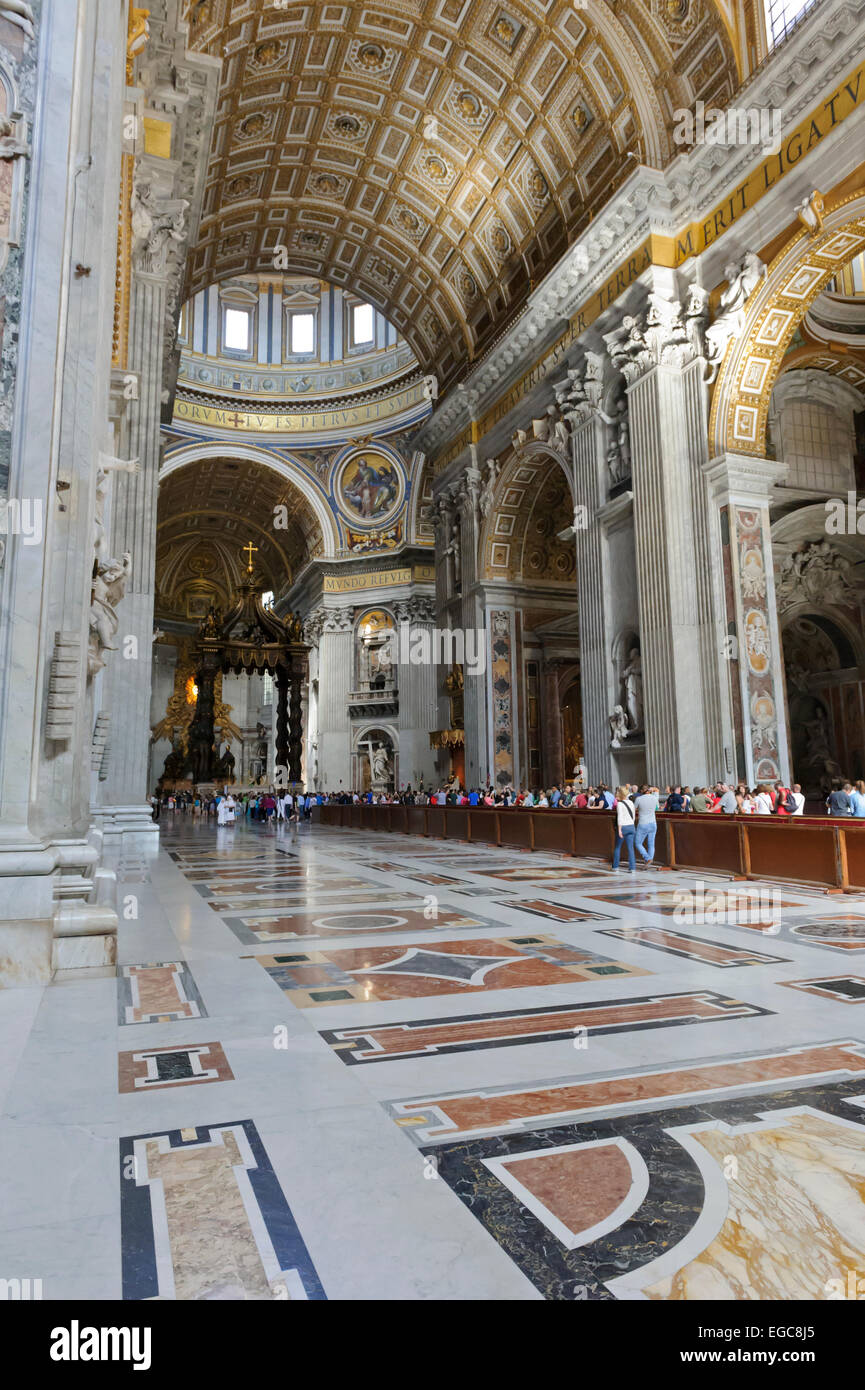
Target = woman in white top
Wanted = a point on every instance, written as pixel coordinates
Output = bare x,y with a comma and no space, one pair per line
763,802
625,828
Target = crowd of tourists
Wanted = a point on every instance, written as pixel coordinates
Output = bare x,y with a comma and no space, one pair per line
636,807
721,799
227,809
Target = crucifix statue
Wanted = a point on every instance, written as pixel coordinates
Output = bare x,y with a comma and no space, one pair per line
253,550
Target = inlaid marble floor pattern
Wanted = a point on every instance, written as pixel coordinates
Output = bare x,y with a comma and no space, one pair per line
389,1068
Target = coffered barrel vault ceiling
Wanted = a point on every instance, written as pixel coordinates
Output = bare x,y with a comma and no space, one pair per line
437,156
208,510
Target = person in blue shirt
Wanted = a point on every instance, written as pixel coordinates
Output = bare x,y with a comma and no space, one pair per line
473,797
609,799
857,800
555,797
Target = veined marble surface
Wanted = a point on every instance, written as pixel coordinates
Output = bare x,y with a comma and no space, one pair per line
711,1143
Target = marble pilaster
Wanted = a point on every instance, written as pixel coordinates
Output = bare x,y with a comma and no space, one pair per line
667,401
335,667
750,657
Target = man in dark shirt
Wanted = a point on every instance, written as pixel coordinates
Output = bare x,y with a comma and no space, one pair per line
838,802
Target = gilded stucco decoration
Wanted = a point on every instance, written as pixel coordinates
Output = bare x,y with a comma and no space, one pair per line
772,315
434,147
529,504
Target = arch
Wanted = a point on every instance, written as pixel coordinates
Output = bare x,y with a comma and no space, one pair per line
837,628
775,309
193,453
504,537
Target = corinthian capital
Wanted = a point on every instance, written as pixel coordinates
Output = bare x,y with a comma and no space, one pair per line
338,620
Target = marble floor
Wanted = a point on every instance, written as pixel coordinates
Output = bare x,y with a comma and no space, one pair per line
348,1066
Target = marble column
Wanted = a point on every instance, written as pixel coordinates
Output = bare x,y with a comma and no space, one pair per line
416,681
593,588
551,727
56,904
750,657
336,668
468,615
124,809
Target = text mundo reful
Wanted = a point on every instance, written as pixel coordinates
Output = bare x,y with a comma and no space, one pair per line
22,516
77,1343
748,907
407,645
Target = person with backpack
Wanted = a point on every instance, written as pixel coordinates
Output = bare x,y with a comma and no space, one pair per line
626,828
785,805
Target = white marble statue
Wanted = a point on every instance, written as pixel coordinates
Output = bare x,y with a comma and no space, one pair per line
453,550
109,586
380,764
491,473
742,279
632,677
105,467
618,726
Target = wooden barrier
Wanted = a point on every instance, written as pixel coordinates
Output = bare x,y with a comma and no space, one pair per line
829,853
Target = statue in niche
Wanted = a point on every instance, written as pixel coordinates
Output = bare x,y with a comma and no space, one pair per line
380,764
618,726
632,679
452,551
619,451
820,760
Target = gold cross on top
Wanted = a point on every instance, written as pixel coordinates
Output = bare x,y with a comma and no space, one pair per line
253,549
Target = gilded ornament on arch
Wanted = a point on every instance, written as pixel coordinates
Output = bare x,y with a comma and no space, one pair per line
268,53
254,125
327,185
241,186
505,30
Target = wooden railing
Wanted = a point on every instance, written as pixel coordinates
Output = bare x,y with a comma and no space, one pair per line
829,853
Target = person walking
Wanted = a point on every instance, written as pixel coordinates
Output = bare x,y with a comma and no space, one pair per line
646,807
625,829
